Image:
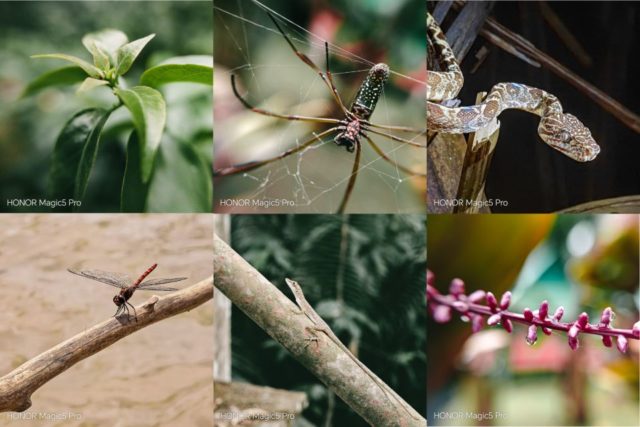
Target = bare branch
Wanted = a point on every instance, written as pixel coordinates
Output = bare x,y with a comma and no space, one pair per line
281,319
17,386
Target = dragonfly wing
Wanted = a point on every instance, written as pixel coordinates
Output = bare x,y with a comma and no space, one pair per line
113,279
154,284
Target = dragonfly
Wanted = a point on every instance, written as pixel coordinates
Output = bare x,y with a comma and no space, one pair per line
127,285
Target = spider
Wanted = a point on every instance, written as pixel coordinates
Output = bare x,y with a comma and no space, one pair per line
351,129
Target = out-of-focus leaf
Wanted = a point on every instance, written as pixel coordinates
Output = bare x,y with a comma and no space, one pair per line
181,180
75,152
149,114
129,52
57,77
133,196
108,41
90,83
91,70
192,69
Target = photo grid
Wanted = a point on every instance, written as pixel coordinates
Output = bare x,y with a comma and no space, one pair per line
276,213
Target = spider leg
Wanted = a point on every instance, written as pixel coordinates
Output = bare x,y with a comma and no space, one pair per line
385,157
393,137
393,128
279,116
326,78
245,167
352,180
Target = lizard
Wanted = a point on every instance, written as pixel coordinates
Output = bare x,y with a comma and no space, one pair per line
319,325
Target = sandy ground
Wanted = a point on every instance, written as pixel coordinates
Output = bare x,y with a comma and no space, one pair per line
159,376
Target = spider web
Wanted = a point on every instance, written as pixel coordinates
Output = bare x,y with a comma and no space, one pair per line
270,76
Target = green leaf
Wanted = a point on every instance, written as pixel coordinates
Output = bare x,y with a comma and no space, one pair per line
149,114
129,52
193,69
57,77
91,83
88,68
108,41
182,180
75,152
133,196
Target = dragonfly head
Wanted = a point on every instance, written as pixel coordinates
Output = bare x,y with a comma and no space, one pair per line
118,300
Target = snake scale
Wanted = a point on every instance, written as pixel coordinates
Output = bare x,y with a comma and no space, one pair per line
561,131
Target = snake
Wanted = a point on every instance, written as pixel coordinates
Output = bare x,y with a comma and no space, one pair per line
561,131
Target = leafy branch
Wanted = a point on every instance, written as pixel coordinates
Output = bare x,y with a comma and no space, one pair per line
77,145
469,307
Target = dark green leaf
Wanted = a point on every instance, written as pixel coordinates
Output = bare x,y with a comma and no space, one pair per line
57,77
133,197
75,152
88,68
193,69
149,114
129,52
181,180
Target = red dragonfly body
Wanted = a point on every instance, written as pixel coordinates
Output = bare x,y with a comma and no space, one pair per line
127,286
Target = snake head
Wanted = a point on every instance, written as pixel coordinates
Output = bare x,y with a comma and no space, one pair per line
570,136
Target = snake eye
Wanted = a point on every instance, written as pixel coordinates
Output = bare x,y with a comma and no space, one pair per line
564,136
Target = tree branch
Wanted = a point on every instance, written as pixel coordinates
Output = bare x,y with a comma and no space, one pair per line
281,319
17,386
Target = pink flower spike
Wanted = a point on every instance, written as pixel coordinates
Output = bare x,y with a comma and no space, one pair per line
505,300
507,325
622,343
558,314
456,288
544,310
461,306
532,335
605,318
442,314
636,329
476,296
477,322
492,302
493,320
606,340
583,320
528,314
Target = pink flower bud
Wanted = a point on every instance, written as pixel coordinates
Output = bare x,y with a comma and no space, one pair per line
462,307
528,315
431,291
573,336
606,340
456,288
505,300
636,329
492,302
622,343
442,314
546,331
583,320
431,278
493,320
532,335
476,296
544,310
477,322
605,318
507,325
558,314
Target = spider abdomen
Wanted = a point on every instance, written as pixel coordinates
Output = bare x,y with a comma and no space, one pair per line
369,92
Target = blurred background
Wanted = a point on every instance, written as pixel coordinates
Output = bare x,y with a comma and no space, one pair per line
365,275
160,375
580,262
271,76
29,126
